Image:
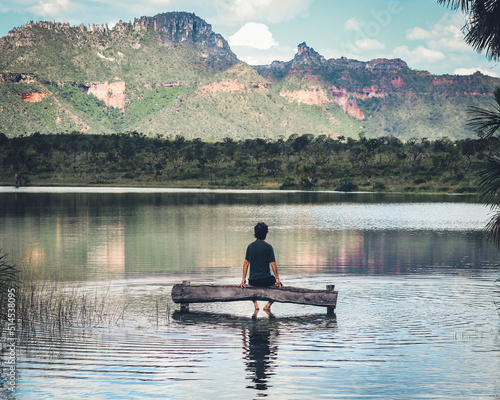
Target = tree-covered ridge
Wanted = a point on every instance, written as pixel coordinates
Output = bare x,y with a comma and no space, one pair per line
304,162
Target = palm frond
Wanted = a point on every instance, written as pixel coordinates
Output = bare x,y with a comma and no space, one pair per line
493,229
484,122
496,95
463,5
488,173
482,28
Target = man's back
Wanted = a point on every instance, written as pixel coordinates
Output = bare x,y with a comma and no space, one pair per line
260,254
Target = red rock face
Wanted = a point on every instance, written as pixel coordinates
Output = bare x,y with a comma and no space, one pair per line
34,97
397,83
113,94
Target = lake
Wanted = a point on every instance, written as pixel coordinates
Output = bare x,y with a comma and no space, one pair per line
416,314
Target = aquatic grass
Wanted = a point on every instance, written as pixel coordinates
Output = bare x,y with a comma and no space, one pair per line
58,305
46,300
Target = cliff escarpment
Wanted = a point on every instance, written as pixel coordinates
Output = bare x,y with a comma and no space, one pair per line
171,74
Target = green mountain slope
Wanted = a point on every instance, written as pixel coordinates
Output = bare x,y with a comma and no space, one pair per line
172,75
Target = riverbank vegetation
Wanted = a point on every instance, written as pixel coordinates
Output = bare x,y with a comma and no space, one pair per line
305,162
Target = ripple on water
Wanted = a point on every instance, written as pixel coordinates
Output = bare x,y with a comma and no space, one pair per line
393,337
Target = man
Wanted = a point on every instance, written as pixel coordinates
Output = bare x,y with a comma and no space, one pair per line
259,256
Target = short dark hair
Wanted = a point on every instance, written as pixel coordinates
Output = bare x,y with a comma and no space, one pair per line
261,230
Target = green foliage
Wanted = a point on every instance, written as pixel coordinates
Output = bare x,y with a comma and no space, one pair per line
301,162
289,184
347,185
489,180
486,122
152,101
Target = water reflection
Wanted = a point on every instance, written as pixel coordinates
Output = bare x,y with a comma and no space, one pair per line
260,350
403,337
85,236
260,339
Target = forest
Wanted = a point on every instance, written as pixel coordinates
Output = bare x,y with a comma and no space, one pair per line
304,162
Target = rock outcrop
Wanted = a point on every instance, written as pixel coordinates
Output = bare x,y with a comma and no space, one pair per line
113,93
170,29
34,97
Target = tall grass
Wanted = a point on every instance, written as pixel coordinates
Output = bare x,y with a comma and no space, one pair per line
40,300
45,302
57,305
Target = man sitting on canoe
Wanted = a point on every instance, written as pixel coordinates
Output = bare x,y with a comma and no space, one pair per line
259,256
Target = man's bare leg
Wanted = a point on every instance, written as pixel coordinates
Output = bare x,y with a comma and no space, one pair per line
267,307
256,305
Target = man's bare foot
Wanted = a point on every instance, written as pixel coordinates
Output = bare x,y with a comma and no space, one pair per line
267,307
256,305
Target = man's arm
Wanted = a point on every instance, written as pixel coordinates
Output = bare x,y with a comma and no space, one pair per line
245,269
275,270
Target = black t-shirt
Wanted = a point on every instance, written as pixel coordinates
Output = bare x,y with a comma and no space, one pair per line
259,254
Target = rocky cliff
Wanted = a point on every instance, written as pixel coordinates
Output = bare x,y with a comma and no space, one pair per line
46,48
170,75
363,89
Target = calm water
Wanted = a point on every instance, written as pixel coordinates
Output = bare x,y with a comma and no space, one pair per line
416,315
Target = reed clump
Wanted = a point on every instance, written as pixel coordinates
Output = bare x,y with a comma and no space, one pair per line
57,305
34,299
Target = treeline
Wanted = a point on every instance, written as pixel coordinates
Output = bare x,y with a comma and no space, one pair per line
304,162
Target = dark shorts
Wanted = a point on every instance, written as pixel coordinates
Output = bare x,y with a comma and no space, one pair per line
264,282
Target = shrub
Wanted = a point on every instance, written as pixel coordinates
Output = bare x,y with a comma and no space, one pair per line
346,185
288,184
307,183
378,186
466,189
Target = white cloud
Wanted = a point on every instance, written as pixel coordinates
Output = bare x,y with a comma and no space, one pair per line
255,56
449,45
51,7
419,54
446,35
353,24
418,33
255,35
369,44
470,71
273,11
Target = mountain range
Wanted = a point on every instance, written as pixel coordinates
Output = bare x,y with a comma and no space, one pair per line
171,75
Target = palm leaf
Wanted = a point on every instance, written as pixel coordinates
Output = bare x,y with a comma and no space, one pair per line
493,229
488,190
485,122
463,5
496,95
488,173
482,28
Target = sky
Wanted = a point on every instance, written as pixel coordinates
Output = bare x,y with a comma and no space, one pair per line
425,34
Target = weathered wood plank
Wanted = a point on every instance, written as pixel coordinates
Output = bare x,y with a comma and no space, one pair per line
186,293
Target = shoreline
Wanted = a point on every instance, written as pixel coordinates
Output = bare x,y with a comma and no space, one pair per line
138,190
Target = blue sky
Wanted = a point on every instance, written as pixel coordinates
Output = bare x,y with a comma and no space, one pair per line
423,33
